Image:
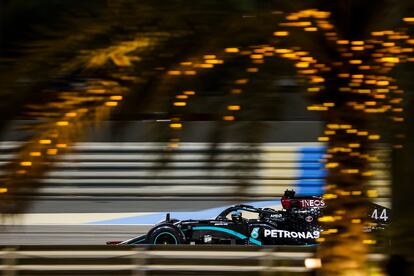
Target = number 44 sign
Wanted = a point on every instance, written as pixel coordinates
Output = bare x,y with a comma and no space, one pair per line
380,214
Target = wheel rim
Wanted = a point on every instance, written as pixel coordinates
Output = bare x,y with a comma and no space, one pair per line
165,238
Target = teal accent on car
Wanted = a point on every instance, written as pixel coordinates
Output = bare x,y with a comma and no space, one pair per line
254,241
137,242
228,231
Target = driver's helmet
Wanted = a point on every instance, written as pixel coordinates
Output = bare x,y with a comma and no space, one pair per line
236,216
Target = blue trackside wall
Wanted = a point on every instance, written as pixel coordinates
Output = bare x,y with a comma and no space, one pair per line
312,172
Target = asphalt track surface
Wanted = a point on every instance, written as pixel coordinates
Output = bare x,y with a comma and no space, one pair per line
68,234
96,234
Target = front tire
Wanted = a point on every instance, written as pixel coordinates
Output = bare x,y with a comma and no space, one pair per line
165,235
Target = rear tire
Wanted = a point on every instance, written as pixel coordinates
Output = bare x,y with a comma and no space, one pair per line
165,235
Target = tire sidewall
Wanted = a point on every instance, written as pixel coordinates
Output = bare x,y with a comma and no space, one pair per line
165,230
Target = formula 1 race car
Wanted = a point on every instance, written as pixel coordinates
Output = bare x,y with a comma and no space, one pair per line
295,224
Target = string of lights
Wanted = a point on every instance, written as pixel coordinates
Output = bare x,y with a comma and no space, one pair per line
350,90
59,123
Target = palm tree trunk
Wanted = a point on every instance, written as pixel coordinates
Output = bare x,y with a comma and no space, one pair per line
343,242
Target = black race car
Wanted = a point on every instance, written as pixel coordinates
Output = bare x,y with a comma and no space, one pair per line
296,224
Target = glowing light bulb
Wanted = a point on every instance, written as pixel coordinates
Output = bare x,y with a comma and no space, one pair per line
52,151
180,103
62,123
111,104
233,107
228,118
116,98
176,125
174,73
231,50
281,33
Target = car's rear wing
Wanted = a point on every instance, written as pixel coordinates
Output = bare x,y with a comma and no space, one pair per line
376,213
289,200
